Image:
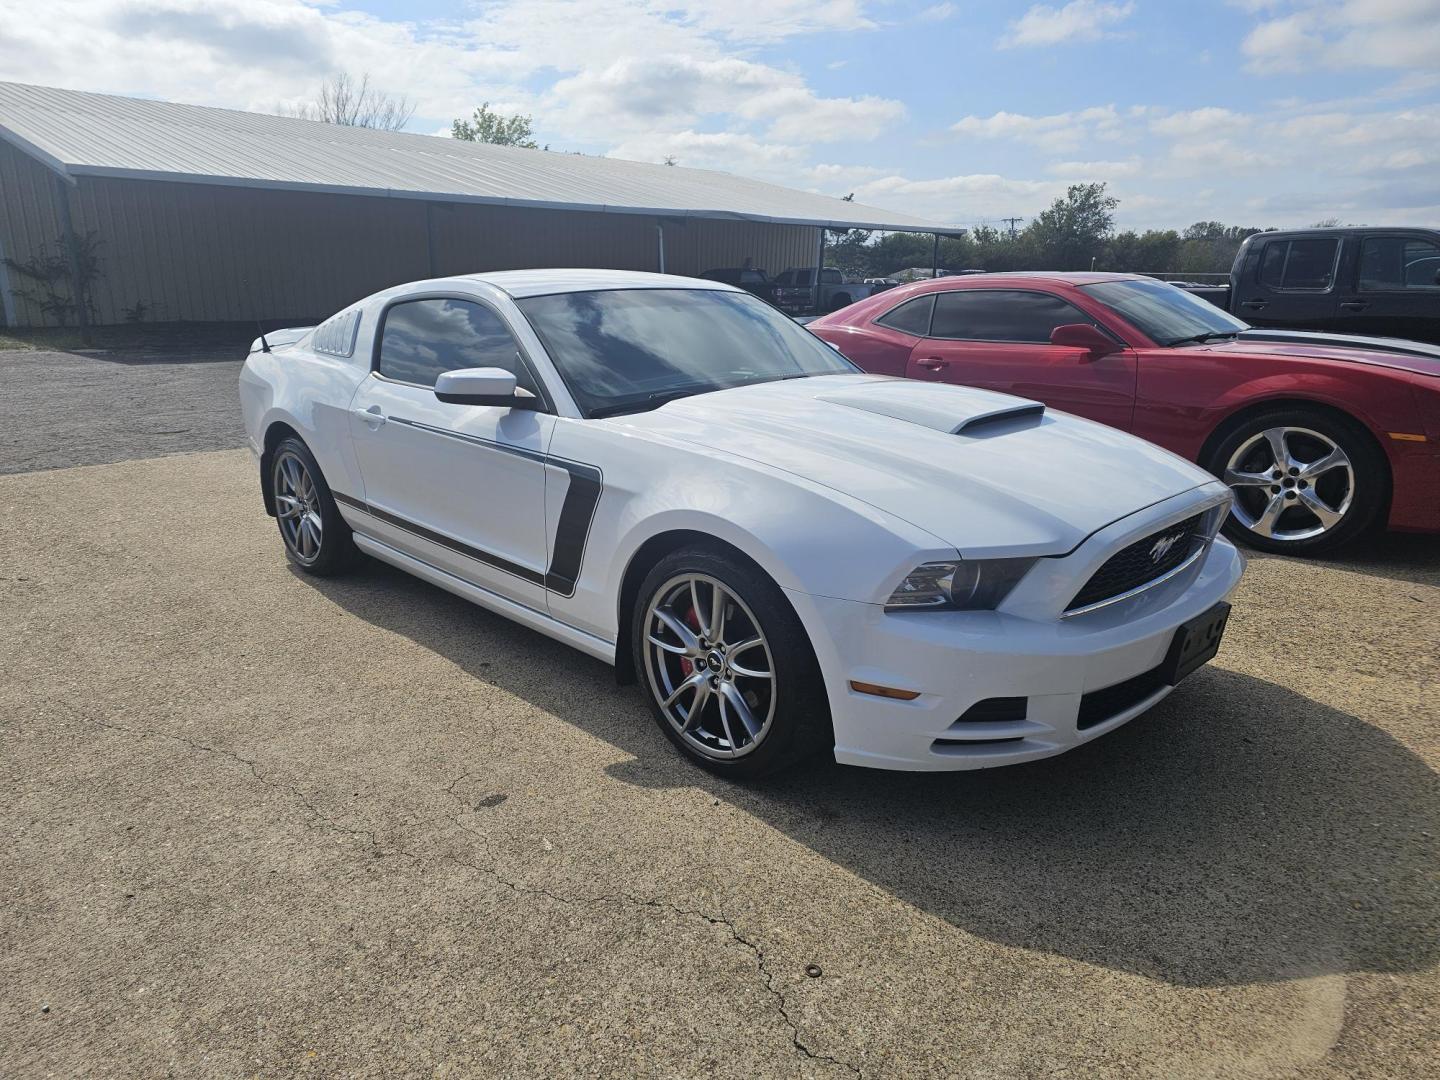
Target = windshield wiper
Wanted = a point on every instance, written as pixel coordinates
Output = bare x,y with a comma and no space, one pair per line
1201,339
653,401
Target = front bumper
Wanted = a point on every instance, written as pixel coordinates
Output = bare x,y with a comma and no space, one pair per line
959,659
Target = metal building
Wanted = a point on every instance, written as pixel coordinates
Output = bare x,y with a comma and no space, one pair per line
200,214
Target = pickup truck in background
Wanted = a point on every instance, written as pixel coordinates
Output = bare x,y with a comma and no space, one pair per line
1366,281
795,290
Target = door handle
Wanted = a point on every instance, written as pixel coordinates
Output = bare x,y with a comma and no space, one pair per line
1354,305
1256,304
372,416
933,363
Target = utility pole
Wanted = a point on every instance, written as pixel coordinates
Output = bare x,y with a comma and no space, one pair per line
1012,222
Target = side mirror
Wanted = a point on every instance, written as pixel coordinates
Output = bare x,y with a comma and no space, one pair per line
1085,336
483,386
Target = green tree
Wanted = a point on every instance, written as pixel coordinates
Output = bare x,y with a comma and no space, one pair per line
488,126
1074,229
1148,252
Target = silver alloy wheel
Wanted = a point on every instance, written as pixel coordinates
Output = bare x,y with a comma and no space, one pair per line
709,666
297,505
1290,483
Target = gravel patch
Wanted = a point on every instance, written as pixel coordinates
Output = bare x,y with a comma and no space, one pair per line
61,409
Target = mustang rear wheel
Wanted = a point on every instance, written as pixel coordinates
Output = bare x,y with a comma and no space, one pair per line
728,669
317,540
1304,481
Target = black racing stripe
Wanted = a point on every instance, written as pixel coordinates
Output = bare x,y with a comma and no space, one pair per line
499,562
571,534
489,444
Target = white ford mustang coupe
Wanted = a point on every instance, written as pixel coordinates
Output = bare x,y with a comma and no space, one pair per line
788,555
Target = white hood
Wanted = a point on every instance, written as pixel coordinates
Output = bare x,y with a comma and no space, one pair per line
1014,480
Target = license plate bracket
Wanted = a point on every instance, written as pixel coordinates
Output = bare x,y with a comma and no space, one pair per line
1195,643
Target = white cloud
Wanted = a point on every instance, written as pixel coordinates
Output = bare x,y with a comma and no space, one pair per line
1056,132
1299,34
937,13
1079,20
723,150
1096,170
1193,122
961,199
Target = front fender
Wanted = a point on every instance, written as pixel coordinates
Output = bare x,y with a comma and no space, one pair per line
806,537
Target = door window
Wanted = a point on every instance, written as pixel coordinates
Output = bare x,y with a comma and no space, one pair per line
420,339
1299,264
1000,315
1399,264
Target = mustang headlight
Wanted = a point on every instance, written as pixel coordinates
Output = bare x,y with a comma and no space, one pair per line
963,585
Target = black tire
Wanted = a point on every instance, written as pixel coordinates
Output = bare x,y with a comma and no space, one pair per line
336,551
799,711
1368,480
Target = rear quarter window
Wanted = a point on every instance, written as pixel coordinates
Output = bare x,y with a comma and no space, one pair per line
911,317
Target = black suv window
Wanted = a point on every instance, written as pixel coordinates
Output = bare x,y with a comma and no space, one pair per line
911,317
1001,315
1299,264
1391,263
422,338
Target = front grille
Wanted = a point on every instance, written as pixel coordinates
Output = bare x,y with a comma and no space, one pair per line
1100,705
1139,563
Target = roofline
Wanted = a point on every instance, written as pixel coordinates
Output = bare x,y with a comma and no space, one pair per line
25,146
105,172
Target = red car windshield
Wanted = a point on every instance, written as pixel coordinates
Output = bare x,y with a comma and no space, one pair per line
1166,315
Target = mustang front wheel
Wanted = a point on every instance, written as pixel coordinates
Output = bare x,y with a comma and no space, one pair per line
729,671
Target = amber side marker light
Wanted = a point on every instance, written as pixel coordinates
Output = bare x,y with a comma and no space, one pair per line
883,691
1405,436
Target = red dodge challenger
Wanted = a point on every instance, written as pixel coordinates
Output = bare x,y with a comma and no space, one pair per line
1320,436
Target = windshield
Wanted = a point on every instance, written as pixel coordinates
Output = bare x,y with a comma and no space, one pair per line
1165,314
626,350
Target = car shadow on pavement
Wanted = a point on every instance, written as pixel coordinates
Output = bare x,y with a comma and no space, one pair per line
1411,558
1238,833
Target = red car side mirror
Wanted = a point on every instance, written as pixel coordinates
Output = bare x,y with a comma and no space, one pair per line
1085,336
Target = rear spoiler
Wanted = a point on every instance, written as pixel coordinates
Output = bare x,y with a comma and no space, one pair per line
1349,341
278,338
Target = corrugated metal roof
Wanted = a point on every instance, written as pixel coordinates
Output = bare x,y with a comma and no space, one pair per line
80,134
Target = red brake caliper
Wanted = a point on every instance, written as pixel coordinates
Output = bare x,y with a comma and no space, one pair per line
692,620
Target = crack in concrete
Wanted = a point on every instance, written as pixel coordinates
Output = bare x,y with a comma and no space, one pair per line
319,819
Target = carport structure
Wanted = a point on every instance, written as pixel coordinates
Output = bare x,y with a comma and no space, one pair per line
210,215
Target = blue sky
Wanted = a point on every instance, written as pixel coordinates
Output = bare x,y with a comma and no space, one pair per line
1255,112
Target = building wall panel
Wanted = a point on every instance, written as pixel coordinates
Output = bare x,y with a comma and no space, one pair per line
202,253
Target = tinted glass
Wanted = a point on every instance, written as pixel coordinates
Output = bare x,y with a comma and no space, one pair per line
1311,264
1390,263
422,338
831,277
752,277
995,315
625,350
1165,314
911,317
1272,264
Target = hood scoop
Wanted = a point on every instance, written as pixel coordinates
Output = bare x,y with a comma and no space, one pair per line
950,410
